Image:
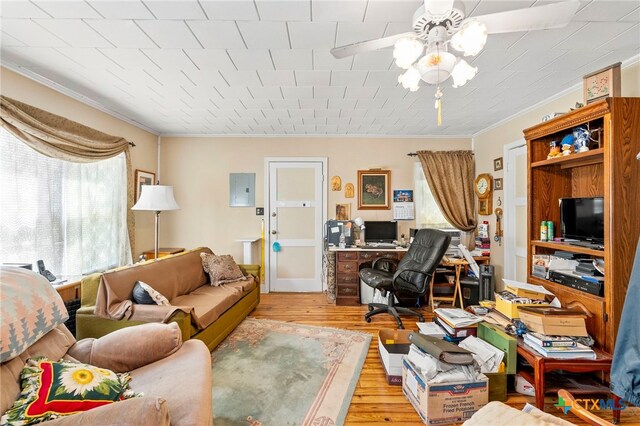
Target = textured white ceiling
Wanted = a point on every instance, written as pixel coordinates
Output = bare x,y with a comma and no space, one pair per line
263,66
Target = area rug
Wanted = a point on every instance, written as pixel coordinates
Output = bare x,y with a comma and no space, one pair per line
277,373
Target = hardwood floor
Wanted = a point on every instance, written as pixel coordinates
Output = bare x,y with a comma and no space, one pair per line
375,402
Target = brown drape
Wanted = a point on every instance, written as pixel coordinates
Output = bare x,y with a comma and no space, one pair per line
64,139
450,176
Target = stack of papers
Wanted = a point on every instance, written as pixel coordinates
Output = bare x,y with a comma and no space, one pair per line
486,355
457,317
431,329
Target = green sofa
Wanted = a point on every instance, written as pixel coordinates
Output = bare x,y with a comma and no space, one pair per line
201,311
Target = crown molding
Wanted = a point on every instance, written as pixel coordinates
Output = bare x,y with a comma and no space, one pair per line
626,63
311,136
74,95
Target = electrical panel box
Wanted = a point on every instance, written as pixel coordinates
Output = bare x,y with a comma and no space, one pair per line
242,189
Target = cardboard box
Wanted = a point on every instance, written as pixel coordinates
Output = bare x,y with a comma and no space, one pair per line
443,403
555,325
510,309
501,340
392,346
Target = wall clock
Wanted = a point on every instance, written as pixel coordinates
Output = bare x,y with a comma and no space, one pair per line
483,187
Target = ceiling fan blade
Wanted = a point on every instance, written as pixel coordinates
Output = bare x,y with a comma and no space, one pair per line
545,17
367,46
438,7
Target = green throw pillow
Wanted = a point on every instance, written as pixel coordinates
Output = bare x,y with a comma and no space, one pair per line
52,389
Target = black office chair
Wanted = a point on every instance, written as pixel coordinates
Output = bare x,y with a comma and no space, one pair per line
412,274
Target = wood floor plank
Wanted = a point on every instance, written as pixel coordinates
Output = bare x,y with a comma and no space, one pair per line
374,401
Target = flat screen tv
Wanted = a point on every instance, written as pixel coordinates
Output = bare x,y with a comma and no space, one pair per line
582,219
380,231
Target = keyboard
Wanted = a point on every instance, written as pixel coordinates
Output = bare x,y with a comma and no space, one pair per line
378,246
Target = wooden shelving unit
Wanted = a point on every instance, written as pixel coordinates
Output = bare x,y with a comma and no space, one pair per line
610,171
574,160
567,247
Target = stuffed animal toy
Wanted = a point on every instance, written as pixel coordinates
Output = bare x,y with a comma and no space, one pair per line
554,150
567,149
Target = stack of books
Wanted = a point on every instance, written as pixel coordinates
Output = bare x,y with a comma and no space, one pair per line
558,346
457,323
483,240
550,320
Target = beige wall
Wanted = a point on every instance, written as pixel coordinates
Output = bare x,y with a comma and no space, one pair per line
143,156
489,145
199,168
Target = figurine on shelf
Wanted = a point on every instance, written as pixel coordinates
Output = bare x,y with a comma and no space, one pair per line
582,136
567,149
568,144
554,150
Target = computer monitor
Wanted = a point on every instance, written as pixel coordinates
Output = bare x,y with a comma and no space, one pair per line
380,231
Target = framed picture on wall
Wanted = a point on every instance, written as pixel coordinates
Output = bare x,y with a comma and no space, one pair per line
343,211
497,164
143,178
374,189
602,83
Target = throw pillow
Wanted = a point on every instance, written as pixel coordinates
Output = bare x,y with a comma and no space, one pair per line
144,294
54,389
221,269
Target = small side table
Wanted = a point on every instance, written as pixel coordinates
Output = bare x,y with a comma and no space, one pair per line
162,252
247,249
542,365
458,264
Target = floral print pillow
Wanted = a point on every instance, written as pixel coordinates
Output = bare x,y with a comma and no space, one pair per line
221,269
54,389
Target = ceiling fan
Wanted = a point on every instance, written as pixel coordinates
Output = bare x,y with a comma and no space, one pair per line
439,25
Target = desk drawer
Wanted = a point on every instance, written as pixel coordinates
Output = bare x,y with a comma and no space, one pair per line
347,266
348,289
347,255
372,255
348,279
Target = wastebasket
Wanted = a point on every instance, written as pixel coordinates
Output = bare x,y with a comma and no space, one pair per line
470,290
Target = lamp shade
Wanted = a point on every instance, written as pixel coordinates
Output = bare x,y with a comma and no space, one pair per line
470,39
435,67
156,198
462,73
406,51
410,79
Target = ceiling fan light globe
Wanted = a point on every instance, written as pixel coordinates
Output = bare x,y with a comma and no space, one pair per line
470,39
462,73
406,51
435,67
410,79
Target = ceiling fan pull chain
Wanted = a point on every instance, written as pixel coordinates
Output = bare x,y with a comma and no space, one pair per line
439,104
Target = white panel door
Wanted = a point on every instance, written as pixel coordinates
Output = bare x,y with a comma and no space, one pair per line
295,226
515,220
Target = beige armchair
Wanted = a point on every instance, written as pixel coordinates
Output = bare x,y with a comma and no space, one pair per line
175,377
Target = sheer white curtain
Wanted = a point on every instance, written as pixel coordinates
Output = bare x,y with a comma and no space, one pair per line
428,214
71,215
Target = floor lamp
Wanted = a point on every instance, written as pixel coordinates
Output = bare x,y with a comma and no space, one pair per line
156,198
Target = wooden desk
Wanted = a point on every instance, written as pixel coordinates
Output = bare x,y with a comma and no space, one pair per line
542,365
162,252
343,267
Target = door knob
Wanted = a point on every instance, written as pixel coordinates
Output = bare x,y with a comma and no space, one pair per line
273,232
273,214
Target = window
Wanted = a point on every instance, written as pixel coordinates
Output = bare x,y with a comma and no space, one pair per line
71,215
428,213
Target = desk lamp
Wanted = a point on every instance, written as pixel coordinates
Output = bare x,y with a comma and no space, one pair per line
156,198
359,222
